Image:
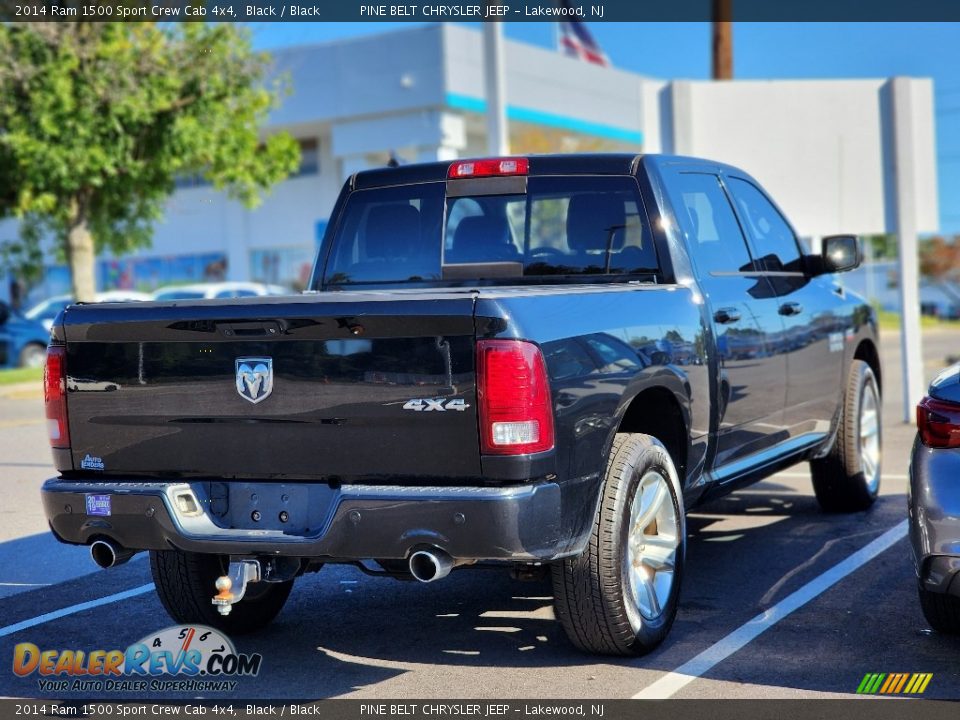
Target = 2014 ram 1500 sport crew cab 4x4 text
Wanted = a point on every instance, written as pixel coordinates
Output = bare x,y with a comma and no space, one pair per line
536,362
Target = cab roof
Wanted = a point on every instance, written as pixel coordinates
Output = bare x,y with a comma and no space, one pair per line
570,164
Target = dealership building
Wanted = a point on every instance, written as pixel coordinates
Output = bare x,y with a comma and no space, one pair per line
839,155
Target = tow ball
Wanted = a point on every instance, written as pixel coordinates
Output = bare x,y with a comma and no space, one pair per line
232,586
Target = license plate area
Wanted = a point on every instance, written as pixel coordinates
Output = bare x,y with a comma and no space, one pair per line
292,509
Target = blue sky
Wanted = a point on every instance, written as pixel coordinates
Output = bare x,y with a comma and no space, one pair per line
761,50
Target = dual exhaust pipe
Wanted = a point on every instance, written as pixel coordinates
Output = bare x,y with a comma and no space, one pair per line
107,554
429,564
426,565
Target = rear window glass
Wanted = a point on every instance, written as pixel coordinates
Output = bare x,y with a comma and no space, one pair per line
560,226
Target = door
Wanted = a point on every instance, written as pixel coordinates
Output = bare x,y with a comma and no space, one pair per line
751,382
810,309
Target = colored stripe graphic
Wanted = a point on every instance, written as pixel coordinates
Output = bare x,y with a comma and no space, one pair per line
894,683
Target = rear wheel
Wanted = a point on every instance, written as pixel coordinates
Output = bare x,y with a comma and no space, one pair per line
619,597
941,611
185,586
848,479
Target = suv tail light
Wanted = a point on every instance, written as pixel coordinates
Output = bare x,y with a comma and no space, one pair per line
488,168
939,423
516,414
55,396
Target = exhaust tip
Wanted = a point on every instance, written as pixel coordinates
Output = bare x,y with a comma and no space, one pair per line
429,565
107,554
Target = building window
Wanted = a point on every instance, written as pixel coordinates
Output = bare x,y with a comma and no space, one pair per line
309,158
146,274
287,266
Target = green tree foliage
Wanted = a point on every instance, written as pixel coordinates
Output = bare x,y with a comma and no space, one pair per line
98,119
940,263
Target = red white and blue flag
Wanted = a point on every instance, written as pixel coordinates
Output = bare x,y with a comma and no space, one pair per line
576,41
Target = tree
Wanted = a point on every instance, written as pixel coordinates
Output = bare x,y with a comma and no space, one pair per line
940,263
97,120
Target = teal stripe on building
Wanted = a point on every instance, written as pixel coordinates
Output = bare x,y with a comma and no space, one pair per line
538,117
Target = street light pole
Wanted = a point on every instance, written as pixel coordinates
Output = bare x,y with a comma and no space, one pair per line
497,142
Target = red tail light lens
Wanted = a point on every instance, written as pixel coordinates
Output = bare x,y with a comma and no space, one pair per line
939,423
55,396
516,414
488,168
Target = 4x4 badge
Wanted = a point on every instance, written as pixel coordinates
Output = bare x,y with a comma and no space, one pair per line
254,378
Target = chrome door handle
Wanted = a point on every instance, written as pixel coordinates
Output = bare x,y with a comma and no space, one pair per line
791,308
726,315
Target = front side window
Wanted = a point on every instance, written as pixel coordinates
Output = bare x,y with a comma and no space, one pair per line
772,237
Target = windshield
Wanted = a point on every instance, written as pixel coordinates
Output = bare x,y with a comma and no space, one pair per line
578,225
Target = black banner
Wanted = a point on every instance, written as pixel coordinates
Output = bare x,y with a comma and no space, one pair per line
474,10
489,709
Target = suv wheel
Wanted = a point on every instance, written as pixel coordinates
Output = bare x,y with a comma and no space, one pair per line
848,479
185,586
619,597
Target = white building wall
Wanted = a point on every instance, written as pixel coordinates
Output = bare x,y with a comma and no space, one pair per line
820,147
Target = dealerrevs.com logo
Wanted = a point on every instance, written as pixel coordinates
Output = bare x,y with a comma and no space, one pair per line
182,658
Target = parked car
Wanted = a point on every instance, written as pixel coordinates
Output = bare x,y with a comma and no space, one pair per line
933,502
541,383
23,342
206,291
45,311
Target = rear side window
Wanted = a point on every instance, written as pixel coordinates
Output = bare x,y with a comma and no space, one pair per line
561,226
712,231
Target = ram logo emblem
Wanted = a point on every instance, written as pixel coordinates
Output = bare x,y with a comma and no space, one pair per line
254,378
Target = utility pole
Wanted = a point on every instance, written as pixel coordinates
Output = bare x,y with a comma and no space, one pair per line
495,82
722,55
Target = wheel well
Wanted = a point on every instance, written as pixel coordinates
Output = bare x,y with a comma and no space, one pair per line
867,352
656,412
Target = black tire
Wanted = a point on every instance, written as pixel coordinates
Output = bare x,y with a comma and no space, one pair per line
33,355
842,481
941,611
593,598
185,586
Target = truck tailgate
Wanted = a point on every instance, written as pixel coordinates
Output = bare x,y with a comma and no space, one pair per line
312,387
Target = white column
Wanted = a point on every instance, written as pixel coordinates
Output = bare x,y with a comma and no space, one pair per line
495,81
904,149
436,153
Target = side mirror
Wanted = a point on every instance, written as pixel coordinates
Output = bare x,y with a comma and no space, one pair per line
840,253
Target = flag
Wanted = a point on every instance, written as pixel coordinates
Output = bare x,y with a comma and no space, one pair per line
576,41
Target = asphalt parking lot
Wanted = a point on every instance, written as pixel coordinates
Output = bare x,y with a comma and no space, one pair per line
765,612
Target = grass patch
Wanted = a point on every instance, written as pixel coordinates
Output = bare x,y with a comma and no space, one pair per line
21,375
891,321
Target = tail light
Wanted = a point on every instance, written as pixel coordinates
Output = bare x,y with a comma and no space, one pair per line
939,423
55,396
488,168
516,415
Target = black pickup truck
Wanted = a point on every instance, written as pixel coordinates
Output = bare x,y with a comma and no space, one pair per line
539,362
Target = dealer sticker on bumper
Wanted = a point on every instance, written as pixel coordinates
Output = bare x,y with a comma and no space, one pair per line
98,505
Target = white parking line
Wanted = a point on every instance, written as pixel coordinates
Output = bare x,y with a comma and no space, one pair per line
72,609
673,682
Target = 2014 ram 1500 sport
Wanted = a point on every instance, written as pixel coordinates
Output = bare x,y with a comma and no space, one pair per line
540,362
